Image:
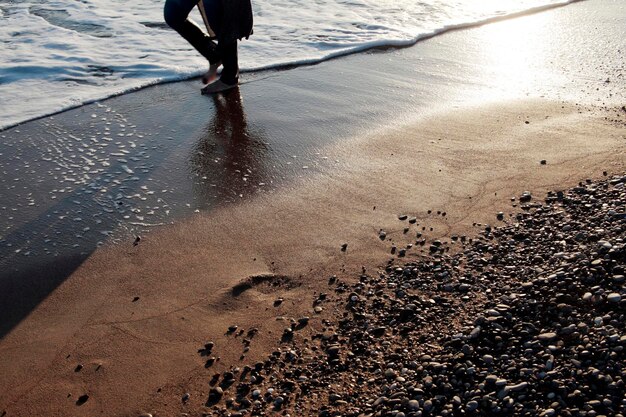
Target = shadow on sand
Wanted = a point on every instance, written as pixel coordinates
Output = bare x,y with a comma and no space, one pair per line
25,281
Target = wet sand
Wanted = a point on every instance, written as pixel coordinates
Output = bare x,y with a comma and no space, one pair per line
439,132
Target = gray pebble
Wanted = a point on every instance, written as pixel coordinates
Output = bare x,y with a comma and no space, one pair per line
614,297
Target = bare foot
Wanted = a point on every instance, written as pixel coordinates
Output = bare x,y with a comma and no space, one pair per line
211,74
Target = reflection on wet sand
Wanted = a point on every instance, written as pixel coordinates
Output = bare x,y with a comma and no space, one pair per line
229,158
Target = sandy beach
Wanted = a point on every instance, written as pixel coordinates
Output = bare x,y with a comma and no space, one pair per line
346,169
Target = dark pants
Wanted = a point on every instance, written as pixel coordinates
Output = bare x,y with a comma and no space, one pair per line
175,13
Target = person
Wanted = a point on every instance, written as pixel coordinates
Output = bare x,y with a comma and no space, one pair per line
230,20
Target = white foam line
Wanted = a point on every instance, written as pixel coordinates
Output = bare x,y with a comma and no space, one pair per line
312,61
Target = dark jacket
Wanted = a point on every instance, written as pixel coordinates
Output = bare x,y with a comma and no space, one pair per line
236,21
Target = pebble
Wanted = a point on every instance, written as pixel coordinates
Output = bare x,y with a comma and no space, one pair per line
82,399
471,406
428,406
413,405
475,332
547,337
215,394
525,197
540,333
614,297
333,350
517,387
334,397
488,359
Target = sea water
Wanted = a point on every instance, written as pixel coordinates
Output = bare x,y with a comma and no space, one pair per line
59,54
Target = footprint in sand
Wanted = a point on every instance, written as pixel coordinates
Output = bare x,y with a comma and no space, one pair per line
264,283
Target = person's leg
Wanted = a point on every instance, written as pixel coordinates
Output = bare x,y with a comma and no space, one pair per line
229,77
175,13
213,11
230,72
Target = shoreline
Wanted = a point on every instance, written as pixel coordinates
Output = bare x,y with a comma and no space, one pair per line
134,317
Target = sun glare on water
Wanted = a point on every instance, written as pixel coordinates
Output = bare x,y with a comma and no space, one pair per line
512,53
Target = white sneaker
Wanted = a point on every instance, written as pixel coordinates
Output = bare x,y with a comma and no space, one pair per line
217,87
